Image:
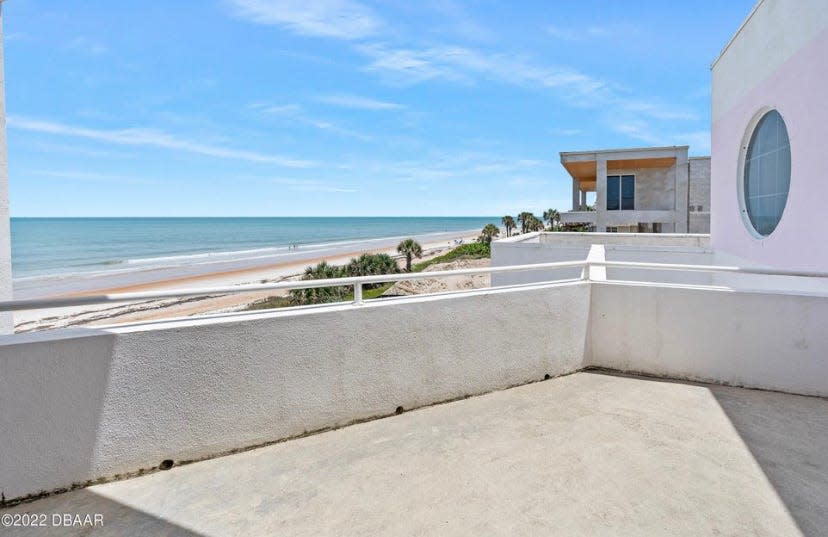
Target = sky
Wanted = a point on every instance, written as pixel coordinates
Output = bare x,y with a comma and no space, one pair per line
342,107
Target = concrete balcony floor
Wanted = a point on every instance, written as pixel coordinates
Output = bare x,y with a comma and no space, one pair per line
584,454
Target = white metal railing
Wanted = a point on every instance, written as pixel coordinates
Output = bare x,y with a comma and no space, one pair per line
358,281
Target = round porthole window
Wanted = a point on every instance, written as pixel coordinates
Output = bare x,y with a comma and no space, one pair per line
766,178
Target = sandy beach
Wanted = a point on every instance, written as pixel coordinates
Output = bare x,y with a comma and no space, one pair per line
286,266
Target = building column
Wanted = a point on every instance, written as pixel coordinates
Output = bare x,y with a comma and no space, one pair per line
576,196
583,200
682,192
6,319
601,191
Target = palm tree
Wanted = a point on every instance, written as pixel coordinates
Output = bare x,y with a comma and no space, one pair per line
371,265
533,224
552,216
509,223
524,218
410,248
488,233
318,295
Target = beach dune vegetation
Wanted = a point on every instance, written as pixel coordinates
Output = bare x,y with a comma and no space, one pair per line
321,295
364,265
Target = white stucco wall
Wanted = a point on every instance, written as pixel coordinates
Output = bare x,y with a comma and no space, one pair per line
765,340
655,254
553,247
80,404
529,253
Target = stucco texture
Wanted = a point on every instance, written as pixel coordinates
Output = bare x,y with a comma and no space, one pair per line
99,403
796,89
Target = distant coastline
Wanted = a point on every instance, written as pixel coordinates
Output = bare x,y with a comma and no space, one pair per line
227,272
53,248
57,256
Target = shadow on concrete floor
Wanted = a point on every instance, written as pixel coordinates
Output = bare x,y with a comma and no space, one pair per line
118,519
788,437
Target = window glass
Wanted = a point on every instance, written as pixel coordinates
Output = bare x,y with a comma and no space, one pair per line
627,192
767,175
613,193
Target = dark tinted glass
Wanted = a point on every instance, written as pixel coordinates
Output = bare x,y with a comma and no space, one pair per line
627,192
613,192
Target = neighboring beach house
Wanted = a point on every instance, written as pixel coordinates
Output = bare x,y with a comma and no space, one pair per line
641,190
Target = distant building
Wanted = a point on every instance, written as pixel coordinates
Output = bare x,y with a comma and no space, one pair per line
643,190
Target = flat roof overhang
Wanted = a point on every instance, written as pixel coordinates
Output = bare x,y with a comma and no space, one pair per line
581,165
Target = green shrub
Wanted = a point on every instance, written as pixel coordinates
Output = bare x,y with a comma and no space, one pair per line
364,265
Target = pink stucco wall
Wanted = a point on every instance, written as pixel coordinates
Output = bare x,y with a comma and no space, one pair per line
798,89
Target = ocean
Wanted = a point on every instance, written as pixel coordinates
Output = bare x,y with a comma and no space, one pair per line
68,246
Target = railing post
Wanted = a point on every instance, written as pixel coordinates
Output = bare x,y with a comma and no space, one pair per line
358,294
598,273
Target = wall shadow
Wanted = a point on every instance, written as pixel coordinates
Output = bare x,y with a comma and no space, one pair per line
51,407
117,519
788,437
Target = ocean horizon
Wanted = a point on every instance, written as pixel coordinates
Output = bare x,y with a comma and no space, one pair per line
64,246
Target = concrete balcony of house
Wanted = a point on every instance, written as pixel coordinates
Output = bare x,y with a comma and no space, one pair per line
618,218
632,218
578,218
265,423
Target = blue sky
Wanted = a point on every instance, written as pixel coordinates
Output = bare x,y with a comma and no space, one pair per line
342,107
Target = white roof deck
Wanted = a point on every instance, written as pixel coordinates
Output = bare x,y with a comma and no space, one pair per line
584,454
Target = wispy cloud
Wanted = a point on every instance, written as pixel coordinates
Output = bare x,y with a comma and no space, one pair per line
560,131
296,113
699,141
92,177
151,138
661,111
341,19
634,116
87,45
480,166
398,62
456,20
638,130
410,66
76,150
357,102
463,64
616,31
278,109
310,185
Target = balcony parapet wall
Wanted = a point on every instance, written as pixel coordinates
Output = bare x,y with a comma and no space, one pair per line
79,405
